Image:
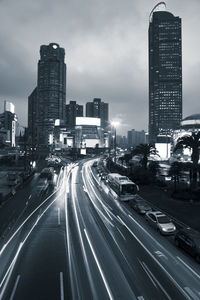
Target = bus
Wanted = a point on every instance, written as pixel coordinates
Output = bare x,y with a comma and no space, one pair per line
122,187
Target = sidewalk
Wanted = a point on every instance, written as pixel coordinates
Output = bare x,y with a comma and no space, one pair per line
186,212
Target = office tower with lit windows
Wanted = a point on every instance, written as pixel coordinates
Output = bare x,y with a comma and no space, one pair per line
51,90
165,73
98,109
73,110
32,108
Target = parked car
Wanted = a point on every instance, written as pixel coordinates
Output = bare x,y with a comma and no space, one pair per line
141,207
189,240
161,222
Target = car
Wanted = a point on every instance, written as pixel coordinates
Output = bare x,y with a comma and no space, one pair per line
95,164
141,207
161,222
103,176
189,240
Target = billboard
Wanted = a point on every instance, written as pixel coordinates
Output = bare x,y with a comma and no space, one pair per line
81,121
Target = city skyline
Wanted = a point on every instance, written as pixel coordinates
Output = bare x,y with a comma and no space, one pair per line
103,55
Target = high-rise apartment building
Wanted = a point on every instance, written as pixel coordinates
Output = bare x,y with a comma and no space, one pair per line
8,121
165,73
135,138
73,110
32,117
51,90
98,109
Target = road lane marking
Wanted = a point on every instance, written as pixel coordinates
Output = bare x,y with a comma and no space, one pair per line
140,298
191,293
99,267
156,281
15,287
8,273
6,244
62,297
189,267
160,254
121,233
29,197
58,215
74,198
160,265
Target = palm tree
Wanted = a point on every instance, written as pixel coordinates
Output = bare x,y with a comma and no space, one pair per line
145,150
175,172
191,142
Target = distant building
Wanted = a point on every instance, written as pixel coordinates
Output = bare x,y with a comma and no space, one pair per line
51,90
122,141
8,121
32,117
73,110
98,109
89,134
165,73
134,138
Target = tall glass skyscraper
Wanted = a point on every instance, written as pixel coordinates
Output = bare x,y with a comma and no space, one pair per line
165,73
51,90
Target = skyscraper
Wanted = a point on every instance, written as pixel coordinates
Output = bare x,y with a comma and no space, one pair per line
32,117
165,73
73,110
51,90
98,109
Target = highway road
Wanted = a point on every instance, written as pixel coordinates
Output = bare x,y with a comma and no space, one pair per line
81,243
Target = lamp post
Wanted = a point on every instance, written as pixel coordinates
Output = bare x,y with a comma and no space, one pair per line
114,125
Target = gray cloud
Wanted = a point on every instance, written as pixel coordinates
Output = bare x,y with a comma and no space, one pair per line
106,52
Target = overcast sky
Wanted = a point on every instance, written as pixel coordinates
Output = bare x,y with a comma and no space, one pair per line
106,46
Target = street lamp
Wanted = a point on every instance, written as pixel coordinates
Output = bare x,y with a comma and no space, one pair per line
114,125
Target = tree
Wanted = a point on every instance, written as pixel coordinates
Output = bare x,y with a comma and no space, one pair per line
191,142
145,150
175,172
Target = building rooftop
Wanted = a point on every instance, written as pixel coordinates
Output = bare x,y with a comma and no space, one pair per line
192,117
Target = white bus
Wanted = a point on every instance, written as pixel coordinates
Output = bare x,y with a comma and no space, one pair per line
122,187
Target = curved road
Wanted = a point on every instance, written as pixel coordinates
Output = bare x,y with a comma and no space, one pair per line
83,244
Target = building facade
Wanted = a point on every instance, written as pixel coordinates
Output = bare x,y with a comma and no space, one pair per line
73,110
8,122
98,109
32,118
165,73
134,138
51,90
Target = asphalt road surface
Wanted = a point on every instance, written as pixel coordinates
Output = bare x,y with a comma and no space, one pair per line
81,243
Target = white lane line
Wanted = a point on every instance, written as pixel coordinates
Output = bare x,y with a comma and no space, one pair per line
121,233
99,267
62,297
5,245
153,257
140,298
188,267
157,282
15,288
191,293
29,197
152,280
58,215
6,277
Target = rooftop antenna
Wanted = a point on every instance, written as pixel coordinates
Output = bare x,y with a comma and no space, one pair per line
156,7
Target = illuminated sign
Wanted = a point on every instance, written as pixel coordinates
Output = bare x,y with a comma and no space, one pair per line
81,121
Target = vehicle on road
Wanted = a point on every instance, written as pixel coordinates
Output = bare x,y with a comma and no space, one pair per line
95,164
189,240
47,173
140,206
161,222
122,187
